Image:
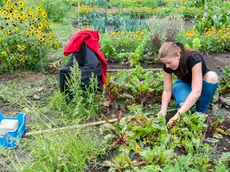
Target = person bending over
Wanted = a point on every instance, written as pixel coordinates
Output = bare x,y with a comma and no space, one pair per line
195,84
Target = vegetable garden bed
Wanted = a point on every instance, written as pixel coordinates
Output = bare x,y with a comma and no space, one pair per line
68,137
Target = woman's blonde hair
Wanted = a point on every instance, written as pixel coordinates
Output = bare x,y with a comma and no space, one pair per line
174,49
169,49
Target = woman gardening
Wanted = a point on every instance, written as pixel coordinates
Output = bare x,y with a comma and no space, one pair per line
195,84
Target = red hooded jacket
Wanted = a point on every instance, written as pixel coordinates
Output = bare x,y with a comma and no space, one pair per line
90,38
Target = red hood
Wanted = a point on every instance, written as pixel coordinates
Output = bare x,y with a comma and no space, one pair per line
90,38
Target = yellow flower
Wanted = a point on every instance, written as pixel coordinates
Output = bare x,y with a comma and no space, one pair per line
7,7
41,39
32,27
51,35
36,33
218,40
21,58
43,14
23,47
40,25
19,18
9,32
21,3
38,8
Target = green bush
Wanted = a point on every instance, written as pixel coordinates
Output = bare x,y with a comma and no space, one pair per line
25,36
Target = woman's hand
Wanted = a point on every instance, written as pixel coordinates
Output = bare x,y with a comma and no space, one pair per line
174,118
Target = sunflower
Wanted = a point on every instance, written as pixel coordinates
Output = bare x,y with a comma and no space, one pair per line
21,58
4,13
7,7
41,39
32,27
9,32
38,8
23,47
51,35
19,18
21,3
40,25
36,33
44,14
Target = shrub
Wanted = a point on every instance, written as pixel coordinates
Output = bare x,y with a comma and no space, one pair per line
25,36
167,27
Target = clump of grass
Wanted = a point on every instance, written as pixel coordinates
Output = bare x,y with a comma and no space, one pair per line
60,151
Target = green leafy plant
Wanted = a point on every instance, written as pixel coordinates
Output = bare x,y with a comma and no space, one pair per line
224,83
120,162
214,16
188,131
136,57
153,143
87,100
136,86
196,43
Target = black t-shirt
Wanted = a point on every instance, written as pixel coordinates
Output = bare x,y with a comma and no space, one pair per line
192,60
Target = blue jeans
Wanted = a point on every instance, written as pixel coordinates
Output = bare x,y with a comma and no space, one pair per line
182,89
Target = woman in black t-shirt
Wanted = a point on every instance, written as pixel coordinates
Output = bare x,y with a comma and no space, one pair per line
195,84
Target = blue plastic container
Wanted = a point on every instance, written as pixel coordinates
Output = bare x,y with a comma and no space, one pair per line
10,139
